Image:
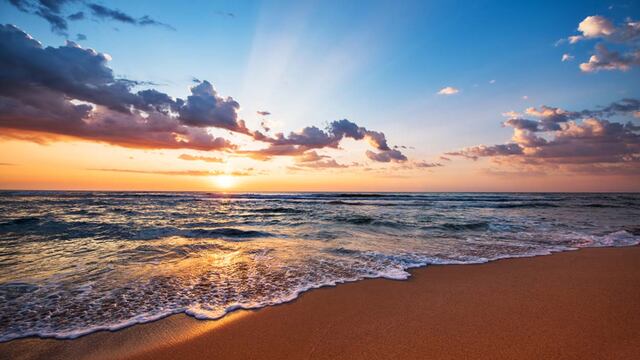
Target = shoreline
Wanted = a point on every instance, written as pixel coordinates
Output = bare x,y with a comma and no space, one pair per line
422,314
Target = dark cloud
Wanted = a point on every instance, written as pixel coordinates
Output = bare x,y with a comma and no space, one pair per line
603,59
76,16
81,37
51,11
476,152
53,5
105,13
522,124
386,156
22,5
58,23
71,91
146,20
312,137
208,159
204,107
577,139
624,106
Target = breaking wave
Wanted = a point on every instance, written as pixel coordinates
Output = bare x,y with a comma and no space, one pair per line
76,262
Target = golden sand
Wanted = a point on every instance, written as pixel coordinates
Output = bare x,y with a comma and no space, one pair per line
577,305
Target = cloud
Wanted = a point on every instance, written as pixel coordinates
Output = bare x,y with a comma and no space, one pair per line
105,13
424,164
525,124
567,57
273,150
76,16
51,11
604,59
204,107
312,137
550,118
622,107
165,172
475,152
224,13
208,159
386,156
596,26
313,160
492,81
263,113
448,91
71,91
569,140
310,156
323,164
47,10
81,37
600,27
625,35
178,172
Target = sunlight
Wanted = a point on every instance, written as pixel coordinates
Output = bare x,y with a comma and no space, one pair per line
225,181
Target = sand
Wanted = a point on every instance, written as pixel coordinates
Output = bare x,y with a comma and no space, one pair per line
576,305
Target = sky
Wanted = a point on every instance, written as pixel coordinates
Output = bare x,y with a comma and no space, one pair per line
320,95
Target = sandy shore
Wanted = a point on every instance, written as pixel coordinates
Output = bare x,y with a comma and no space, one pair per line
576,305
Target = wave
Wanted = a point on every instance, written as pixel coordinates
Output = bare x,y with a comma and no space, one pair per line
526,205
277,210
23,221
47,228
398,268
226,233
480,225
229,251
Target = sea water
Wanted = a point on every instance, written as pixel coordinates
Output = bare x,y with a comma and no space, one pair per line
75,262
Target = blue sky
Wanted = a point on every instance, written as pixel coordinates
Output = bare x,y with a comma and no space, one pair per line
378,63
388,58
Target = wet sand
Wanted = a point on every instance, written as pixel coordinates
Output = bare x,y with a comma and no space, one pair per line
576,305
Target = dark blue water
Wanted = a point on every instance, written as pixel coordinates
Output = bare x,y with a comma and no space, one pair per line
76,262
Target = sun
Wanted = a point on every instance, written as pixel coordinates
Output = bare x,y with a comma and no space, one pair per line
225,181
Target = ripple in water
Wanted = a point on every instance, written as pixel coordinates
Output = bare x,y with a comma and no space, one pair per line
76,262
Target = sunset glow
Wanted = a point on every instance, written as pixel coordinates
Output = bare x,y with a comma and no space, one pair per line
225,181
293,109
166,166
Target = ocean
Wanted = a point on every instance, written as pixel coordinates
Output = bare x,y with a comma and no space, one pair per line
76,262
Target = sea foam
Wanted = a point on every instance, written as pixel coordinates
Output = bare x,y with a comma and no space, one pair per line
72,263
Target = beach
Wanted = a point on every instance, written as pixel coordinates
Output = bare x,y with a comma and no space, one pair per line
571,305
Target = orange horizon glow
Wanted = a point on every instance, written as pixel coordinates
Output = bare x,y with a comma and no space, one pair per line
81,165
